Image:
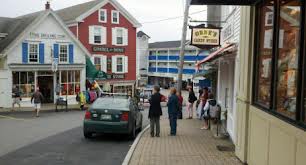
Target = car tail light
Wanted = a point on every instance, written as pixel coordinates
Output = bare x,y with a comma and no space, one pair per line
87,115
125,116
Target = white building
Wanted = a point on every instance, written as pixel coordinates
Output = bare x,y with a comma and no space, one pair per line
29,46
164,61
225,60
142,46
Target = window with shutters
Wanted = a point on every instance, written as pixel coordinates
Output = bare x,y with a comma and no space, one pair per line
97,62
119,36
120,65
103,15
115,17
33,52
97,35
63,53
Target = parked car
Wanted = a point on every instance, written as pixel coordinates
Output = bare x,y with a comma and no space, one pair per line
113,114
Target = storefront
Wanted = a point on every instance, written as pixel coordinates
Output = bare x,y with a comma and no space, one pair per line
45,55
270,102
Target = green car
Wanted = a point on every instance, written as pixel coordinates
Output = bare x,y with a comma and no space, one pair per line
113,115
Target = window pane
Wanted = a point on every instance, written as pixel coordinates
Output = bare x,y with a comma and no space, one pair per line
31,78
77,76
15,78
63,53
70,76
263,81
33,53
23,78
290,12
97,61
64,77
97,35
102,15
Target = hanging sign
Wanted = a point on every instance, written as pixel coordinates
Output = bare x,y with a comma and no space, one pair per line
205,37
54,66
108,50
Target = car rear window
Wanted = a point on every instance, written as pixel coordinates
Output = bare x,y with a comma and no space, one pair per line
111,103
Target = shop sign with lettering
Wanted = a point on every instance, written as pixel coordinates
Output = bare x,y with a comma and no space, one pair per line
47,36
227,32
115,76
108,50
205,37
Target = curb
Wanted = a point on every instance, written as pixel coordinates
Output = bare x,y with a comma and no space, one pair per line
129,155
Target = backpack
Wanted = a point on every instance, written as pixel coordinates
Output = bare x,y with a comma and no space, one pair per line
78,98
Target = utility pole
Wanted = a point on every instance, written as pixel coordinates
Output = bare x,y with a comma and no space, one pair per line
183,42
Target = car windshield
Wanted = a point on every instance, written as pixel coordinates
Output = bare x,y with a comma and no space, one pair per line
111,103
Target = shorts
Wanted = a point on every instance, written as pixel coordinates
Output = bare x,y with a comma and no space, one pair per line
37,105
16,100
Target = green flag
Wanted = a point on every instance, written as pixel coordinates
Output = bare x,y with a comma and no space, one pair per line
92,73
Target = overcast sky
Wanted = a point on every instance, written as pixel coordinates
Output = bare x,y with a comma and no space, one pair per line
145,11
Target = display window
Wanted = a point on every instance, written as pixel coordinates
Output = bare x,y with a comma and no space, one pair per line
70,82
24,81
278,57
264,79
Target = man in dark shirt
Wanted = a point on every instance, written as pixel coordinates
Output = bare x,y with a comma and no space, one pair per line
155,111
16,97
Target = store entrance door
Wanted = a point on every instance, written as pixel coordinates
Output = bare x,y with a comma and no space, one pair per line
45,84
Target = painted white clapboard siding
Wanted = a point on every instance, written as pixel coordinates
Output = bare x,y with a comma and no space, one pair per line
49,26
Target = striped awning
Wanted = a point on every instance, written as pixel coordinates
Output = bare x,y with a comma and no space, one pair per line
224,2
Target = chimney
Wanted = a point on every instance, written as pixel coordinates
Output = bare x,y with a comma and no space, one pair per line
47,5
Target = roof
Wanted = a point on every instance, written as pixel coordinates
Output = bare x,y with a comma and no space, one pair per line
166,44
79,12
71,13
141,34
18,27
223,2
14,27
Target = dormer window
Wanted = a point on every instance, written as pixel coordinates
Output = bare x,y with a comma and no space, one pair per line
103,15
115,17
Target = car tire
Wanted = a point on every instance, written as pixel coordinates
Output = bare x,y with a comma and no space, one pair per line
87,135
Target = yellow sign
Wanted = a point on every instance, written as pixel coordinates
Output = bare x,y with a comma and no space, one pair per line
205,36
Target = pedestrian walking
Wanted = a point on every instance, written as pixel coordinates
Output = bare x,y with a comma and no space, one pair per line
191,99
155,111
181,99
16,98
37,97
173,108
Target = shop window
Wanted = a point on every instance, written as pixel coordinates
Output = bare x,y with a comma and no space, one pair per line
115,17
277,59
33,53
120,64
24,81
70,82
102,15
63,54
289,41
97,62
263,82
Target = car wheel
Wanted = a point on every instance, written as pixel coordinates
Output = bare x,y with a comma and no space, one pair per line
87,135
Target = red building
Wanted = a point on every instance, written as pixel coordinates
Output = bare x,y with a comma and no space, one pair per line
108,31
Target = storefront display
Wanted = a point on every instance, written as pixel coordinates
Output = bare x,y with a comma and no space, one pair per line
25,82
70,82
276,83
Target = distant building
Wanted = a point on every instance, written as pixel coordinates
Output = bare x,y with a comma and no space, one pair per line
142,53
164,62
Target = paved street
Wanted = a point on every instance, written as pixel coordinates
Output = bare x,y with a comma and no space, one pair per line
56,138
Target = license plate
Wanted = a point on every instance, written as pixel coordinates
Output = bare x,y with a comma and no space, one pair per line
106,117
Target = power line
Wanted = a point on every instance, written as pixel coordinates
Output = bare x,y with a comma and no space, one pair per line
171,18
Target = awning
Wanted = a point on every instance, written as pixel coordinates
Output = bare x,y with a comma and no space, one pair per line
224,2
216,54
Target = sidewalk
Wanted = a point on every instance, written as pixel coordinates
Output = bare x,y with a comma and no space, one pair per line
44,107
191,146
